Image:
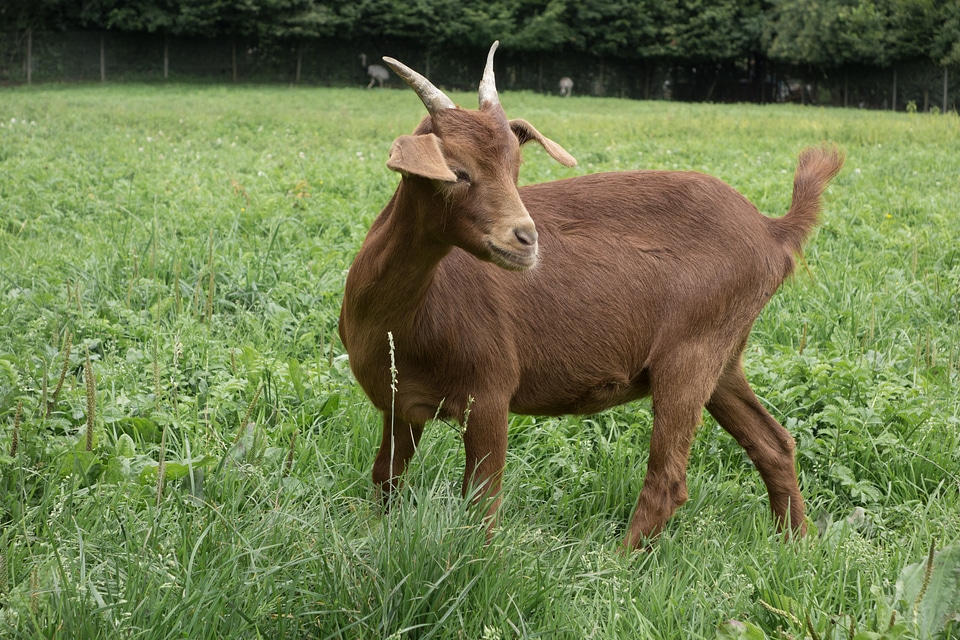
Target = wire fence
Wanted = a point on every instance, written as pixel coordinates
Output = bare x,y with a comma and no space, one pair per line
108,56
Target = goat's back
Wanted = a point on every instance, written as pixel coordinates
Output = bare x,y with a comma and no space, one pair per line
672,210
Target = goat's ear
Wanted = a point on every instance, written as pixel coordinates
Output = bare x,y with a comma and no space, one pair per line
526,132
420,156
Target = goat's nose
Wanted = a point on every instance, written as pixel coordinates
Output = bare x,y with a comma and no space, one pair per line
527,236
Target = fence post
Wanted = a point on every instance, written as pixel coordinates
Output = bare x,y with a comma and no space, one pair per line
894,88
944,112
299,62
30,56
103,60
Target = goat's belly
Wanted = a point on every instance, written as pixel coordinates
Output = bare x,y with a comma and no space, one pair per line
552,399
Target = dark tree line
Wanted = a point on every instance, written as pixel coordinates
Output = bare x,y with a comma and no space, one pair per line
713,38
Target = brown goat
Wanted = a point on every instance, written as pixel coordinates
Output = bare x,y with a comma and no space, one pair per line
613,287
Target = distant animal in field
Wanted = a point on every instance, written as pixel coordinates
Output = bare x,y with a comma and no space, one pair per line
566,86
471,298
377,73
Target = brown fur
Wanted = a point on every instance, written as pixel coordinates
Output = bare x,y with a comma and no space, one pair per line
645,283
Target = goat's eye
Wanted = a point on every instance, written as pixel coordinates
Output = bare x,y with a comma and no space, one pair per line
462,176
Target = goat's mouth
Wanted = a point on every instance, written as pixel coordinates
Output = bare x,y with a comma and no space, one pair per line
512,260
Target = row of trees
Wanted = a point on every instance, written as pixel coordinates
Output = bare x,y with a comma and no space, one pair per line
815,32
815,36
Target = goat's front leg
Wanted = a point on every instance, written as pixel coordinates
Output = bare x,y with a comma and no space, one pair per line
485,444
399,443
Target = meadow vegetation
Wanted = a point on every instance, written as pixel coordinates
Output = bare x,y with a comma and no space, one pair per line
183,451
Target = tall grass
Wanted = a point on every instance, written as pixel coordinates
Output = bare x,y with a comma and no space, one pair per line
177,256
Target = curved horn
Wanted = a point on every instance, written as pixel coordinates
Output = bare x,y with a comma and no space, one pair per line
488,85
433,99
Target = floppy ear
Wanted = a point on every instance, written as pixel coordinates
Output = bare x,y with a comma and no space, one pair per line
420,156
526,132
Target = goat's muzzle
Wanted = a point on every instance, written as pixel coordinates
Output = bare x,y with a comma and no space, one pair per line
517,250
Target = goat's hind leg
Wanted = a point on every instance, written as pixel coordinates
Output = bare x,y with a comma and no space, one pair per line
399,443
769,445
679,392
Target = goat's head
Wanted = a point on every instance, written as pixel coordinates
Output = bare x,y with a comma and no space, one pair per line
467,164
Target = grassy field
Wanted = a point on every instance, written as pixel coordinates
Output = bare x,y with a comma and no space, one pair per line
172,261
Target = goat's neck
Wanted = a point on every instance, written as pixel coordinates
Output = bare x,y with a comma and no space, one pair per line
396,264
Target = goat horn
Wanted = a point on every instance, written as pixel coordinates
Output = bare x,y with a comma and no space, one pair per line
433,99
488,85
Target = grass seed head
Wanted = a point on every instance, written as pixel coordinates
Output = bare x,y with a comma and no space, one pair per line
91,399
67,346
15,439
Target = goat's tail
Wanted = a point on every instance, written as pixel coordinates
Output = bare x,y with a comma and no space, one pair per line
817,166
